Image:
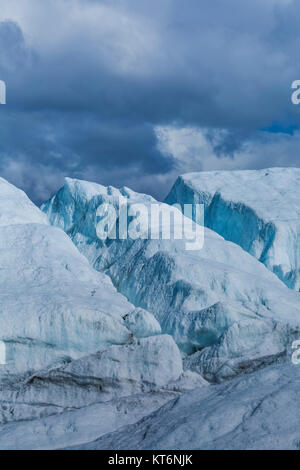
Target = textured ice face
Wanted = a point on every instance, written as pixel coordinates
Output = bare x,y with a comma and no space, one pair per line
16,207
257,209
142,323
120,370
75,403
219,300
71,340
103,362
53,305
257,411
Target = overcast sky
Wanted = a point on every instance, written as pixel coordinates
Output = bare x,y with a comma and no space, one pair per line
135,92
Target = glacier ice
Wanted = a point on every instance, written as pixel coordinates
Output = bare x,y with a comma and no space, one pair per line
257,209
224,309
40,425
91,357
16,207
257,411
54,306
71,339
81,425
142,323
146,364
74,402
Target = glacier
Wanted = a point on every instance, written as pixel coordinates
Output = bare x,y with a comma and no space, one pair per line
71,340
257,411
53,304
257,209
138,344
226,311
16,207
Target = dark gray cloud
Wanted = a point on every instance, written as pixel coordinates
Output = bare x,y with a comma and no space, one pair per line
89,83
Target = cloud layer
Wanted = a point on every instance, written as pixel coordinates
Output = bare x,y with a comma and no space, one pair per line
133,92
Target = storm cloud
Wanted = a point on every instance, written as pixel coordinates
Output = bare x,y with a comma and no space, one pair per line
131,92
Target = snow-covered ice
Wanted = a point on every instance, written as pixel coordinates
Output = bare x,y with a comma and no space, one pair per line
257,411
71,339
92,359
53,305
223,307
142,323
16,207
257,209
